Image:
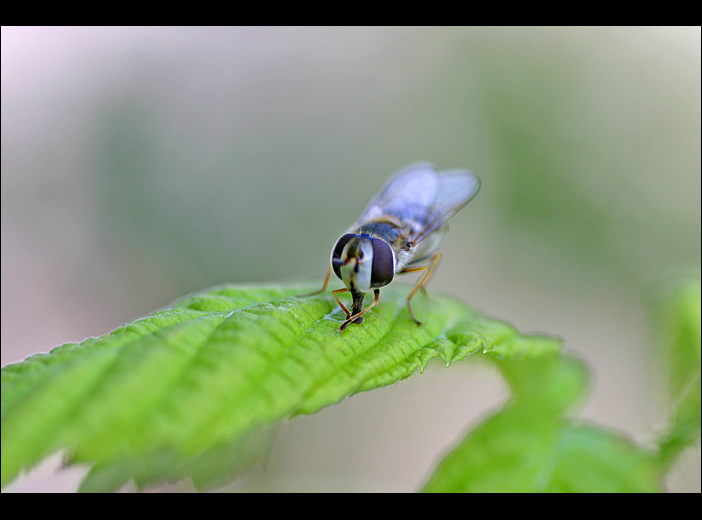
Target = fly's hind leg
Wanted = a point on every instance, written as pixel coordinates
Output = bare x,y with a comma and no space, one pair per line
423,280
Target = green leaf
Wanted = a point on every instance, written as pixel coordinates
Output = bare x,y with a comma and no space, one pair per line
677,304
531,446
195,389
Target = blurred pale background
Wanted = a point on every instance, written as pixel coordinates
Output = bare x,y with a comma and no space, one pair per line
140,164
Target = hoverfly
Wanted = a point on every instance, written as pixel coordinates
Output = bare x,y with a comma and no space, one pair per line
399,232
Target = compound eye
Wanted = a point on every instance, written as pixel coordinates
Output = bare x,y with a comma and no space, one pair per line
383,263
338,249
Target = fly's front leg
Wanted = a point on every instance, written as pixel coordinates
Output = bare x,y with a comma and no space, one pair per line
335,292
423,280
358,318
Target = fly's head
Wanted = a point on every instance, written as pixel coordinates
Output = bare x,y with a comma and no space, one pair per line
363,262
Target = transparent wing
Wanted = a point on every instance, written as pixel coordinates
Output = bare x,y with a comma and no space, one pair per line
423,199
409,195
456,189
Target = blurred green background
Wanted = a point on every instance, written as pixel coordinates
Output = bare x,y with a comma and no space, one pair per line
140,164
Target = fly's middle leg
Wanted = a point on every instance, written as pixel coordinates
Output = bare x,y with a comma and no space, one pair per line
423,280
324,285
